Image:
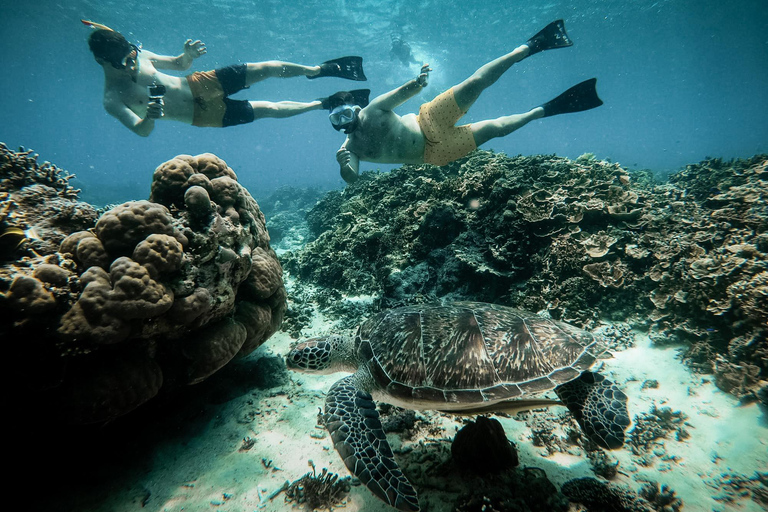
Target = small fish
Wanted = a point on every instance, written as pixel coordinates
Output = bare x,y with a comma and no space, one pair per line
11,239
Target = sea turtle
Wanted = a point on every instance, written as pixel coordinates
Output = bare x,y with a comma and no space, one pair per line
461,357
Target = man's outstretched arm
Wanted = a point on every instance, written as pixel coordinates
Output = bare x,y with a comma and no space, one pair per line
396,97
192,50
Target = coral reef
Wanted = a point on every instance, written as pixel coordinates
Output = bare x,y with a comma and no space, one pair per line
601,497
661,497
580,239
286,209
646,439
517,490
732,487
148,296
37,205
19,169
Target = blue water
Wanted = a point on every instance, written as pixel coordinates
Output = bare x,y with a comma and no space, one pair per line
681,80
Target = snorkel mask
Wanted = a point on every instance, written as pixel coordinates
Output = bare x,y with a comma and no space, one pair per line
129,61
344,117
111,46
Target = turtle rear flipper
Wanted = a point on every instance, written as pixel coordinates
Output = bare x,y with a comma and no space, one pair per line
352,419
600,408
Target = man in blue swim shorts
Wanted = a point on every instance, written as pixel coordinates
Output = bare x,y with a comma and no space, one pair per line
138,94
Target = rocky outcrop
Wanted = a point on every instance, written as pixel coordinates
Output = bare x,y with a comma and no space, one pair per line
149,296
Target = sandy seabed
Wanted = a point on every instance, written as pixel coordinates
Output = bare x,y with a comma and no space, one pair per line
230,443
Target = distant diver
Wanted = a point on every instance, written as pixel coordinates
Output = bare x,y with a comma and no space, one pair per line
137,94
401,51
376,134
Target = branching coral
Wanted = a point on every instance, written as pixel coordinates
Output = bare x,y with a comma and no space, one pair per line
20,168
323,491
580,239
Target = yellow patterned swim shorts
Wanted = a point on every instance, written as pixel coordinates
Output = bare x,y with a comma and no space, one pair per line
444,142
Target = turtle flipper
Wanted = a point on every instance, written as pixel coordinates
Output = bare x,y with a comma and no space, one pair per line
352,419
599,407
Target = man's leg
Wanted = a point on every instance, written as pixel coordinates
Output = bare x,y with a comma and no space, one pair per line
469,90
483,131
258,71
280,109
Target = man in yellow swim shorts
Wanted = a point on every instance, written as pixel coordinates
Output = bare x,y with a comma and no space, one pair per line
138,94
376,134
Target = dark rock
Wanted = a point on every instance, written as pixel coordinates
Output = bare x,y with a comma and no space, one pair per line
482,447
601,497
520,490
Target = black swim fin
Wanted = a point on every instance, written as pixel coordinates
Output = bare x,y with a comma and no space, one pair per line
580,97
550,37
350,68
361,97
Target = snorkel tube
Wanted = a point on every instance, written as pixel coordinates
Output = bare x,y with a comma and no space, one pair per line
95,26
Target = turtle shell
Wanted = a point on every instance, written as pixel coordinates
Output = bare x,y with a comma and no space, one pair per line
471,352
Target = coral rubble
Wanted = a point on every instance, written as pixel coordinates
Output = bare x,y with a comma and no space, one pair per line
580,239
154,294
323,491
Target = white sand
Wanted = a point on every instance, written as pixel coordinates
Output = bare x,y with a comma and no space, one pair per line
207,471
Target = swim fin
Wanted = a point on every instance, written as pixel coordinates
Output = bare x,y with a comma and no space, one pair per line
580,97
350,68
550,37
360,97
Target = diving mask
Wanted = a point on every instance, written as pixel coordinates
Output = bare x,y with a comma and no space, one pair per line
130,60
344,117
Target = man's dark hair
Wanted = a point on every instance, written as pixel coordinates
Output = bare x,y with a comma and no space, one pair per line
339,98
110,46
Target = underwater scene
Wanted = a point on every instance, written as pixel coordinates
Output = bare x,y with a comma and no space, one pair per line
488,256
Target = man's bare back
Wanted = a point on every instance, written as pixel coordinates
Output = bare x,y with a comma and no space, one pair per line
379,135
385,137
376,134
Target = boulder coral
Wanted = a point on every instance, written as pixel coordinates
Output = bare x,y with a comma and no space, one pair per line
149,296
581,239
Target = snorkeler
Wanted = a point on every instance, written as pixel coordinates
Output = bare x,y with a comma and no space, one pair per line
401,51
376,134
137,94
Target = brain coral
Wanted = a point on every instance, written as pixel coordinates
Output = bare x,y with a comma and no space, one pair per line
149,296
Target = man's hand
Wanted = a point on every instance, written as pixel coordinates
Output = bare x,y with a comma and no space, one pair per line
343,156
155,109
423,77
349,171
194,49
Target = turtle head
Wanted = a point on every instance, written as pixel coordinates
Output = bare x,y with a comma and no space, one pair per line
321,355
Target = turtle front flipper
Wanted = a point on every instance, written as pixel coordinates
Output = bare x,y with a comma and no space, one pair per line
599,407
352,420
